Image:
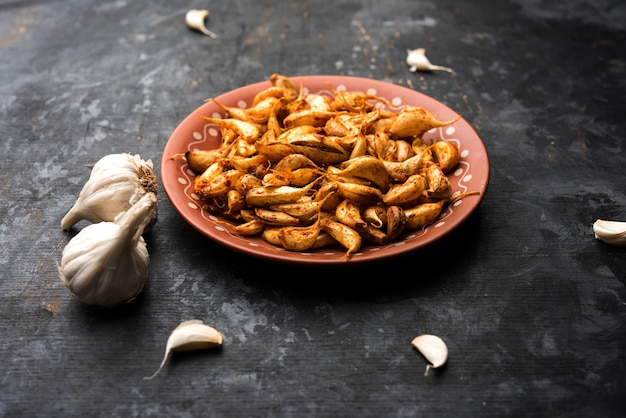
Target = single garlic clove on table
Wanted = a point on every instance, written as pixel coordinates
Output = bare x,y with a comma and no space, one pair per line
611,232
417,61
433,348
196,18
190,335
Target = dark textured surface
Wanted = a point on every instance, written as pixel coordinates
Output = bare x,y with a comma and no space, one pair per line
532,307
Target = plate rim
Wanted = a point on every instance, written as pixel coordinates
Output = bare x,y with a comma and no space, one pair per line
309,258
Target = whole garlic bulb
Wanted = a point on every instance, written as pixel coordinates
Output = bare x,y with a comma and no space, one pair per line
116,182
106,263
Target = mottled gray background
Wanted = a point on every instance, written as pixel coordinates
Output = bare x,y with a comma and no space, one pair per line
532,307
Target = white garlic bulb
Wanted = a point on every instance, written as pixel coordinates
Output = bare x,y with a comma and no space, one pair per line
611,232
116,182
106,263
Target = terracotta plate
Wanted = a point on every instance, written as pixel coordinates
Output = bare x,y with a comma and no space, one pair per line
193,132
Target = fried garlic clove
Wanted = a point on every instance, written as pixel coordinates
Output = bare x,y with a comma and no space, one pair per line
250,228
369,168
396,221
417,61
259,113
265,196
219,185
195,19
611,232
248,131
200,160
415,121
308,117
360,194
190,335
274,217
439,186
400,171
285,84
349,238
447,155
349,213
301,210
406,193
319,148
298,238
375,215
423,214
433,348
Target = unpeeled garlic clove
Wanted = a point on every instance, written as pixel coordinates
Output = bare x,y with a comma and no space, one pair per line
433,348
190,335
417,61
196,18
611,232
